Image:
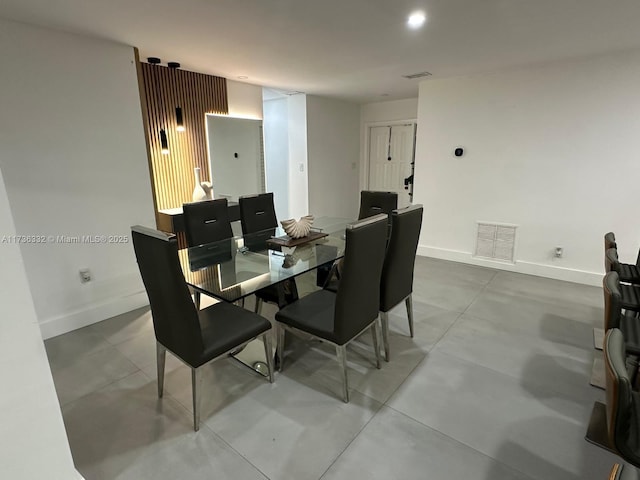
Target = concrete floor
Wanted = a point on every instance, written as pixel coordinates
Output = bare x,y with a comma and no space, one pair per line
495,386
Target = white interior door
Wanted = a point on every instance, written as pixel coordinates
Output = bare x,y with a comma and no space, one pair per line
391,152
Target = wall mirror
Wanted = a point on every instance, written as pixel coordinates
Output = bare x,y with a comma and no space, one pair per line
236,156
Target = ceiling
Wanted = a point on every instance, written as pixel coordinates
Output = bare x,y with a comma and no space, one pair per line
351,49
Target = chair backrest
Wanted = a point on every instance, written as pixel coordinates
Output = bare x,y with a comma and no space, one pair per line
397,274
257,212
622,402
206,221
612,301
610,241
611,263
373,203
358,296
175,319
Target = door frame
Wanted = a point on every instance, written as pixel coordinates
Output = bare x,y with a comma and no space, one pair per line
364,179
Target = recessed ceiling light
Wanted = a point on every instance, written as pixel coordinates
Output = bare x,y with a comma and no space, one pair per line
416,19
242,77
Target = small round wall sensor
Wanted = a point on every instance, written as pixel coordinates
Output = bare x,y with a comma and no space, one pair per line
458,152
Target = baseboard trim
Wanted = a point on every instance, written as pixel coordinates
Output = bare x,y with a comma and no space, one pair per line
529,268
91,314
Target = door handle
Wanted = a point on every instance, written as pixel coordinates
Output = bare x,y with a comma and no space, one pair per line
408,181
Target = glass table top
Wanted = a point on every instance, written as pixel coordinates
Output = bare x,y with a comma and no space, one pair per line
234,268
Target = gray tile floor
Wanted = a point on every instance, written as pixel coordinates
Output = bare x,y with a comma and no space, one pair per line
495,385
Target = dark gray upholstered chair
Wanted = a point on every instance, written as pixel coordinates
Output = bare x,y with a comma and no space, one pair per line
614,316
257,212
339,317
259,223
206,222
194,336
396,284
629,294
374,203
622,402
371,203
628,273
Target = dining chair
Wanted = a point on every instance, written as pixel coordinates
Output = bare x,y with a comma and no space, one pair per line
339,317
628,273
610,241
622,402
257,212
396,283
259,223
371,203
629,295
374,202
624,320
206,222
196,337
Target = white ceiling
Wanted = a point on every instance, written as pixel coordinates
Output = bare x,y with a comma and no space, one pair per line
352,49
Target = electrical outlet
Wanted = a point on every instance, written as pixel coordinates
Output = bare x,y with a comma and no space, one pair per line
85,275
559,252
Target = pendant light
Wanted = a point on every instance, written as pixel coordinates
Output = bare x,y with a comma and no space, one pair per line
164,143
179,118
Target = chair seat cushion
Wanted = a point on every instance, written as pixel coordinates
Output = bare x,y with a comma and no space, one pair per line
630,297
630,328
313,314
629,273
226,326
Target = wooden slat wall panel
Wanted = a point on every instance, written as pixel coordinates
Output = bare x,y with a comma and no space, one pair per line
198,94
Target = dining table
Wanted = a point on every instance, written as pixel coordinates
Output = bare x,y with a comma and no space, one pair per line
232,269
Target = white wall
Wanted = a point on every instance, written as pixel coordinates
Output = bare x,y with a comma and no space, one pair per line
244,100
333,142
74,162
553,149
298,180
390,111
276,152
30,420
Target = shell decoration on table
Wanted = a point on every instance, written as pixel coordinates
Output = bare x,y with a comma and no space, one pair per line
298,228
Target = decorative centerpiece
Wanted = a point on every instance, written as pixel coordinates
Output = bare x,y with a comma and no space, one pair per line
202,190
298,228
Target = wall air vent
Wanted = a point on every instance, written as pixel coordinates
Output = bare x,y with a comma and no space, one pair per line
411,76
496,241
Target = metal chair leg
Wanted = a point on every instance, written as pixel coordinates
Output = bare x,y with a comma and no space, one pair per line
280,345
258,305
196,300
196,382
341,351
161,354
268,353
409,303
384,320
375,334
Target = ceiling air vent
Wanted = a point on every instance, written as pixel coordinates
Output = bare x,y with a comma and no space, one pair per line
496,241
417,75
